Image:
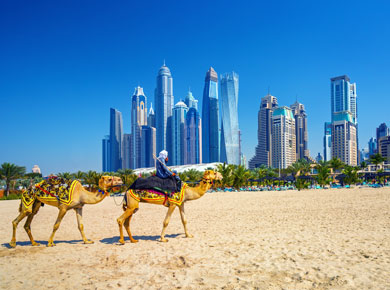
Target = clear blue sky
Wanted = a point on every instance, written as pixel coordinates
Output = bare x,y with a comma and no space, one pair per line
63,64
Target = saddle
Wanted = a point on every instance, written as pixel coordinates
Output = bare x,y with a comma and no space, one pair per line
168,186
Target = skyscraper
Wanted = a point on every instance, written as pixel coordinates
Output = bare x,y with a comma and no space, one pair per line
106,163
283,138
193,141
178,134
127,151
151,117
327,141
382,131
343,96
372,146
210,118
230,152
164,105
190,101
148,146
116,136
263,154
300,116
138,119
344,145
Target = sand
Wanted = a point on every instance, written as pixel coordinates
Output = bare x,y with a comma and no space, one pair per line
313,239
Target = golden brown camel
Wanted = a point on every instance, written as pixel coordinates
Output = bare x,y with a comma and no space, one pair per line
80,197
191,193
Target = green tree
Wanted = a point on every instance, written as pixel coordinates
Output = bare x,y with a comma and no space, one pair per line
65,175
127,176
79,175
363,165
91,178
377,159
226,172
240,176
193,175
351,174
323,173
335,164
10,172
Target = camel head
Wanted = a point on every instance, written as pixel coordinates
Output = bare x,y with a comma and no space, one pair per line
212,175
109,182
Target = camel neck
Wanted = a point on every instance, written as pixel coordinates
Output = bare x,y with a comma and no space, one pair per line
198,191
92,197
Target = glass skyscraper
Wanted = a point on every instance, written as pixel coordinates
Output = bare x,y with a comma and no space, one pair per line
116,139
178,134
302,149
210,118
193,141
230,147
138,119
343,96
164,104
148,146
327,141
106,154
190,101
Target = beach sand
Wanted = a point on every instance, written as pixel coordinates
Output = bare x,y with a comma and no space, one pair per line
312,239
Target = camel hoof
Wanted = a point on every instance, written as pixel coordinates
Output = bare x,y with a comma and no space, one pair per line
134,241
164,240
88,242
12,244
189,236
35,244
122,242
50,244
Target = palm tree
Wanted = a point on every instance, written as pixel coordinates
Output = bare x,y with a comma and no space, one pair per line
127,176
65,175
323,173
193,175
91,178
10,172
377,159
336,164
79,175
240,176
226,172
351,174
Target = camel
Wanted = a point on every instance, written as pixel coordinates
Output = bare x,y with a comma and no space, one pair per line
131,205
80,197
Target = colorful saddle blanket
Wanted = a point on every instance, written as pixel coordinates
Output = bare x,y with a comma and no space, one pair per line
153,195
55,188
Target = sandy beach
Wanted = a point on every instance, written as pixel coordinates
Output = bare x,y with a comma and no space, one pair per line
313,239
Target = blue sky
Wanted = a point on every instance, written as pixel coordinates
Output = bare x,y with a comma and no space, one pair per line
63,64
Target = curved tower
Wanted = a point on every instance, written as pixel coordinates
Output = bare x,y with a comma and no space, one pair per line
163,100
138,119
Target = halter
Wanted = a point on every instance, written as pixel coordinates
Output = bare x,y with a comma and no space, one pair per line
108,188
207,180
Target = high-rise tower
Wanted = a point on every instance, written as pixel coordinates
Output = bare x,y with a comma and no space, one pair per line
116,138
190,101
178,134
193,141
210,118
343,96
164,104
263,154
300,117
327,141
230,147
283,138
138,119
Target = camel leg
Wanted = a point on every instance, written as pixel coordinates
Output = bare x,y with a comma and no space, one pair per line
127,227
184,221
166,222
24,211
79,215
121,220
27,225
61,215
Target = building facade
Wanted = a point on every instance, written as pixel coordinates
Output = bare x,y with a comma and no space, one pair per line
106,154
344,145
372,147
148,146
138,119
190,101
210,118
127,151
343,96
116,139
230,140
163,110
193,141
178,133
327,141
382,131
263,155
300,116
283,138
151,117
384,148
